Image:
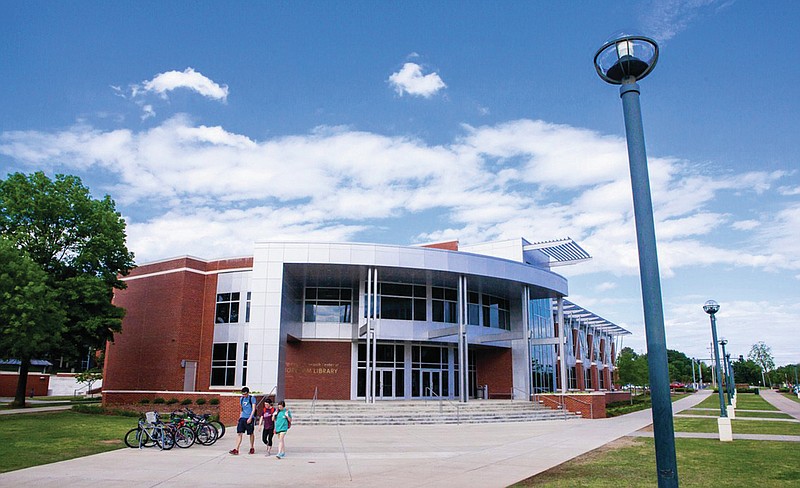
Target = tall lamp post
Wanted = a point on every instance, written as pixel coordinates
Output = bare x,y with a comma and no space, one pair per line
724,423
723,342
623,61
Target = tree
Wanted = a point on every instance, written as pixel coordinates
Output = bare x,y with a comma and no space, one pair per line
761,354
632,368
31,320
79,242
746,371
89,377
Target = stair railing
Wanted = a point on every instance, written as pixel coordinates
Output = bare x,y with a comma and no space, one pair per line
430,392
314,400
513,389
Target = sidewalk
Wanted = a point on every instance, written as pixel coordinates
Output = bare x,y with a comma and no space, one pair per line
486,455
780,402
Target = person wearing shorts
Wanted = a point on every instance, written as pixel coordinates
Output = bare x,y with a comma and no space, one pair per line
246,421
283,420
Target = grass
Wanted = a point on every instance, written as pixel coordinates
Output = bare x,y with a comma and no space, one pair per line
630,462
33,439
759,414
54,401
739,426
638,402
745,401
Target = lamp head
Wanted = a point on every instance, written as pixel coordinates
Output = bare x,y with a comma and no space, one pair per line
711,307
723,341
626,58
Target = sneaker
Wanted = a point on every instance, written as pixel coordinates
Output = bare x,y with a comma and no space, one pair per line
280,455
235,452
252,451
268,454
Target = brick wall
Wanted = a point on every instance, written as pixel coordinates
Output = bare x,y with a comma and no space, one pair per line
37,382
324,365
169,318
493,368
591,405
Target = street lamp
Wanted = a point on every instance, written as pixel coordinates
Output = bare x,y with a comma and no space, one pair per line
723,342
623,61
724,423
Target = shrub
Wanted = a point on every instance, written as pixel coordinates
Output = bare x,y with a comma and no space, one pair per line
186,401
159,400
172,401
144,401
200,401
214,401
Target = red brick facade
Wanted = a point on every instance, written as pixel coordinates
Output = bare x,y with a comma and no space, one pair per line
321,365
170,318
493,368
37,382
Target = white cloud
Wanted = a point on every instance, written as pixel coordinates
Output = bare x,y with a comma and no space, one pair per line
188,78
745,224
521,178
410,80
147,112
664,19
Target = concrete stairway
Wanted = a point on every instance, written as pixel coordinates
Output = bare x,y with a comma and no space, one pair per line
341,412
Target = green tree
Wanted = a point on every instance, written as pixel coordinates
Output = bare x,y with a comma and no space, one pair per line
761,354
632,367
79,242
89,377
746,371
31,320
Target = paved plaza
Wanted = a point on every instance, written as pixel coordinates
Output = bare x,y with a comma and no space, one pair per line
486,455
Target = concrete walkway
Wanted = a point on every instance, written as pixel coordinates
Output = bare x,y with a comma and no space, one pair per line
485,455
782,403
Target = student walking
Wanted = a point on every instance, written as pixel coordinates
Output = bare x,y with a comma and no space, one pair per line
246,421
283,420
268,425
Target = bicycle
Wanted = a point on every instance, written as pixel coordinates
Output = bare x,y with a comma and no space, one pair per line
205,433
150,432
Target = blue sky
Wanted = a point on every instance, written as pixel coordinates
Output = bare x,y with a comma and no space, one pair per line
216,125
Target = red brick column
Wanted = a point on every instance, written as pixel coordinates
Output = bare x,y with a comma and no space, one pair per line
581,384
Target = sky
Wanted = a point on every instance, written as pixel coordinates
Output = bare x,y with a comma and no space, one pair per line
214,125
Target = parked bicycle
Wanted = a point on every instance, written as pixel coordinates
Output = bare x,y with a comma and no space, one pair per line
150,432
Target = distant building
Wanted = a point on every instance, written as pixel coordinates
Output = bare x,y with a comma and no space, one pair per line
361,321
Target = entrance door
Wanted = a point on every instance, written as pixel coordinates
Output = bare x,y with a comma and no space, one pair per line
189,375
384,383
431,383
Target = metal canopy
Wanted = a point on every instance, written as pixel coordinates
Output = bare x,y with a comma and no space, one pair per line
576,312
561,251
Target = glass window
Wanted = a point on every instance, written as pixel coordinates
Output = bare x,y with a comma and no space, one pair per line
328,305
444,305
496,312
400,301
223,364
227,308
247,310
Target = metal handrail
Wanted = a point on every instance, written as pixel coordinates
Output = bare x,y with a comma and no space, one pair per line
314,400
429,390
530,398
563,403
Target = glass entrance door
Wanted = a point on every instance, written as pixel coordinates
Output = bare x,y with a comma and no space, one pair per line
384,383
431,383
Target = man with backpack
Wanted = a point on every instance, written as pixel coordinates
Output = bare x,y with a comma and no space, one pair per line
246,421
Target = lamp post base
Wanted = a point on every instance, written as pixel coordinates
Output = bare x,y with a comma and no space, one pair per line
731,410
725,431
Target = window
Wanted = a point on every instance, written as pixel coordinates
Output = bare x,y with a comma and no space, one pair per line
223,364
328,305
400,301
244,365
473,308
444,304
496,312
227,308
247,310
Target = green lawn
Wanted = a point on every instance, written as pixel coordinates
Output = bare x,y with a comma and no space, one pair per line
630,462
33,439
738,426
715,413
745,401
